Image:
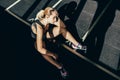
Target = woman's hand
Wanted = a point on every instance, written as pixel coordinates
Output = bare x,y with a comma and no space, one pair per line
53,55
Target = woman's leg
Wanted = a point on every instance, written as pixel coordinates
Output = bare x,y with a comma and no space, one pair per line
55,63
67,35
60,67
52,61
75,44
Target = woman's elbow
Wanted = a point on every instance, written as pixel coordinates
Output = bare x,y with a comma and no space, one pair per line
41,50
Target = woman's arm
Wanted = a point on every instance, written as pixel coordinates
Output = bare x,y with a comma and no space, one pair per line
39,43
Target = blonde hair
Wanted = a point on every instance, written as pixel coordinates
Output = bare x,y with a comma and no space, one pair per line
47,10
42,13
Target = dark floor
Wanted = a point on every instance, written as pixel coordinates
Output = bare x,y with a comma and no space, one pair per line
22,62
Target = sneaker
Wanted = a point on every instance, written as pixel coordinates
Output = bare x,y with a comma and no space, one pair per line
80,47
63,73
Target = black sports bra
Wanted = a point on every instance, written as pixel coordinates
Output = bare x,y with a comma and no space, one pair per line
50,30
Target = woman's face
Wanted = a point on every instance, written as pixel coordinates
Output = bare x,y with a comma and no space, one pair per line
53,16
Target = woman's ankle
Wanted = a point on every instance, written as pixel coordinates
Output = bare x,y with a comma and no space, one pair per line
60,66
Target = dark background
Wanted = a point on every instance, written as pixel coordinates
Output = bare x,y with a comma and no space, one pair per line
21,61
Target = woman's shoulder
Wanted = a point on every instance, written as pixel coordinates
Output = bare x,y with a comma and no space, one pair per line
36,27
39,24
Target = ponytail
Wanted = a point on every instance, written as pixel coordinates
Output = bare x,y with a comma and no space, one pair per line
40,15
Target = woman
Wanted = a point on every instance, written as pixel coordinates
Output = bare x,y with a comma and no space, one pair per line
44,33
